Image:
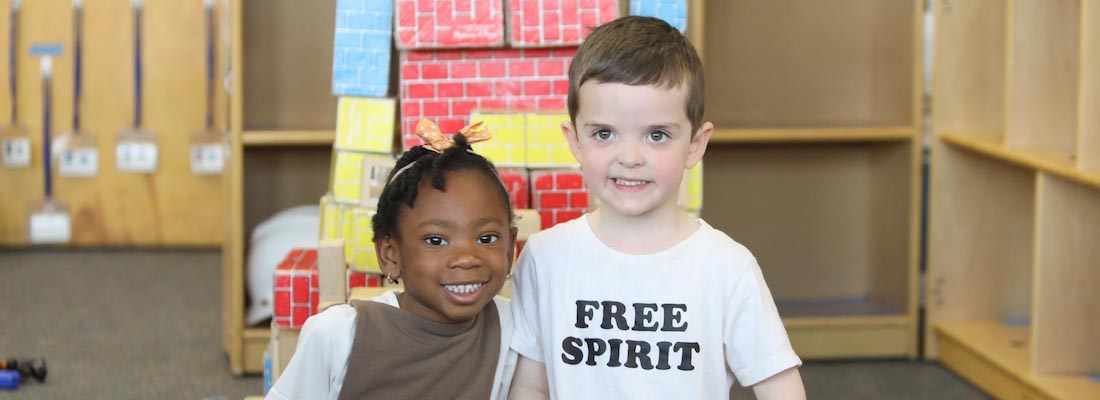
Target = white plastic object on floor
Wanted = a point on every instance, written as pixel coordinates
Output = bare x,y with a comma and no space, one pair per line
272,239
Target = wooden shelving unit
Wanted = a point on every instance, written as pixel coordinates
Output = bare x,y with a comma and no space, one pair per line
281,139
114,208
815,162
1015,197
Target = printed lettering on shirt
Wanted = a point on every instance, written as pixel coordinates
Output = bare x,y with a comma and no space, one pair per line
616,316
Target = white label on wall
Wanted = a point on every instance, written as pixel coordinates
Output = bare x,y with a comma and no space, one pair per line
17,152
207,158
136,156
80,162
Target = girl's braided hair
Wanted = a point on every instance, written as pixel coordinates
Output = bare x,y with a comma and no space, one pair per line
403,183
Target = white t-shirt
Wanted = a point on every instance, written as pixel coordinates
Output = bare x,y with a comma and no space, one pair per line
321,359
673,324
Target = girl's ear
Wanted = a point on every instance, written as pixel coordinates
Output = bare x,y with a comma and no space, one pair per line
512,234
386,250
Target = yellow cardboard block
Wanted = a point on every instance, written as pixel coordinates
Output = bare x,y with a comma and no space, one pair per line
365,124
546,145
360,246
691,189
348,174
508,147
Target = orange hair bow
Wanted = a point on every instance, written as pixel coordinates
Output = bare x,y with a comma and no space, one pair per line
436,142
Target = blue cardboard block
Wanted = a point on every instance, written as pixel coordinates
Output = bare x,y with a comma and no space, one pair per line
361,48
672,11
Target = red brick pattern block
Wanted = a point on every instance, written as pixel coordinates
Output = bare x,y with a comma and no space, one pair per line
544,23
439,24
296,288
446,85
362,279
516,181
558,195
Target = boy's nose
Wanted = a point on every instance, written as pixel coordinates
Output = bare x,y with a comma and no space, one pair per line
631,156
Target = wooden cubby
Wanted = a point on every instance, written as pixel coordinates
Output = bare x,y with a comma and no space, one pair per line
281,139
1015,197
814,163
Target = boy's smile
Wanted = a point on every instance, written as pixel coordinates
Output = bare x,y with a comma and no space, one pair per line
634,143
453,249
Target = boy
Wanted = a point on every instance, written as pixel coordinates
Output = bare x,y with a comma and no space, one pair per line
637,299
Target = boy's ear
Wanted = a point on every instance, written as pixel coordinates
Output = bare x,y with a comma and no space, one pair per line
570,133
699,144
386,250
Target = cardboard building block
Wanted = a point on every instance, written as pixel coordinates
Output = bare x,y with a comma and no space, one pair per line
516,180
356,230
297,289
365,124
361,48
672,11
347,174
332,270
281,349
446,86
546,145
545,23
330,217
441,24
528,222
508,147
558,195
376,172
691,189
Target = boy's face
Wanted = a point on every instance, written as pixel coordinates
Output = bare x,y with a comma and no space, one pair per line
633,143
453,249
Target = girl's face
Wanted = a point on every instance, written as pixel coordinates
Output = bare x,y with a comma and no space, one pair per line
453,249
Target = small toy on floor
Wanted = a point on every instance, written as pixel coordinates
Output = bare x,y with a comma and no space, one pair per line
27,367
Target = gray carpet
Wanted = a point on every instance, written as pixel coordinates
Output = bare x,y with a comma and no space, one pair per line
145,325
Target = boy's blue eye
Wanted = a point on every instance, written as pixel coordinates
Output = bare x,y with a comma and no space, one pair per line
435,241
486,239
602,134
658,136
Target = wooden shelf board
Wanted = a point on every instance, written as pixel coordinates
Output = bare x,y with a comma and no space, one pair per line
796,135
289,138
847,337
1057,162
255,344
997,358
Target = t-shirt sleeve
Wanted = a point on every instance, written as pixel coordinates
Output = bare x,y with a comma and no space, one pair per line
756,342
312,371
526,337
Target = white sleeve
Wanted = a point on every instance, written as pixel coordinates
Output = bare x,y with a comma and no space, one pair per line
316,371
756,342
506,362
526,337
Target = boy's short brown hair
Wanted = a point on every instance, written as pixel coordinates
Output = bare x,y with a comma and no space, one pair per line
638,50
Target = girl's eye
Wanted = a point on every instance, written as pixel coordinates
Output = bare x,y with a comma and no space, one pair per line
435,241
602,134
658,136
486,239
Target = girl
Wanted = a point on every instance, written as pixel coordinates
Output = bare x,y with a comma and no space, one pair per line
444,226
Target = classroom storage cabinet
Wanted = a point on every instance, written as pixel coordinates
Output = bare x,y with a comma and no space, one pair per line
280,142
814,164
1014,216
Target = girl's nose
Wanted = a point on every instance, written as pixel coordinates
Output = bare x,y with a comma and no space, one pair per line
465,258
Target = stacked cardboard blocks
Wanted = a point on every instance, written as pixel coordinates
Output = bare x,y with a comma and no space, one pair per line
504,62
